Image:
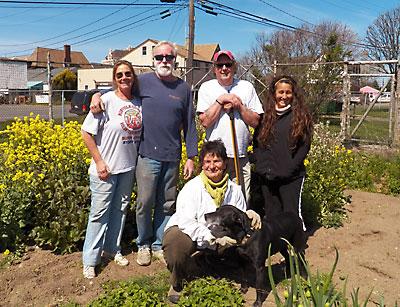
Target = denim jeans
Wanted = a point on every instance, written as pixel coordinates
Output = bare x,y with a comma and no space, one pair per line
107,215
156,182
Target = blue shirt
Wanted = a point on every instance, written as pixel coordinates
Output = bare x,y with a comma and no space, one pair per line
167,109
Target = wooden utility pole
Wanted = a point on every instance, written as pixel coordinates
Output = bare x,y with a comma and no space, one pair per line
190,45
396,137
49,85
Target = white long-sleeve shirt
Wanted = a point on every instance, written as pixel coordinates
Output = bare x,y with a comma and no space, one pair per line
194,202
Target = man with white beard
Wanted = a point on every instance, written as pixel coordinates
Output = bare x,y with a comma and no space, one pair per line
167,108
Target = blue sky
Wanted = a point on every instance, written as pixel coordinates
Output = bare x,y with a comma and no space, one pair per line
94,29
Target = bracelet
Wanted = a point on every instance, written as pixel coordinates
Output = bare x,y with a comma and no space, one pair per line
221,104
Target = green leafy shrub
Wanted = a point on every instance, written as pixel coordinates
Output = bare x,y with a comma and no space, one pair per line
128,294
329,171
44,193
210,292
376,173
141,291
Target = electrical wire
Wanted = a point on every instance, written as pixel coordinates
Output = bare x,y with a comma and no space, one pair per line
42,19
58,3
240,14
116,32
283,11
118,23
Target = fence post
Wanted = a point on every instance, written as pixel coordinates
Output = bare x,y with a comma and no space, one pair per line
49,85
62,108
345,114
396,134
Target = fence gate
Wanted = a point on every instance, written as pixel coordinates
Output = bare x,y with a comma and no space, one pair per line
373,117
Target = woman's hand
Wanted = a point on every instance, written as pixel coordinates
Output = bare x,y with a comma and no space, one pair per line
255,219
96,104
103,171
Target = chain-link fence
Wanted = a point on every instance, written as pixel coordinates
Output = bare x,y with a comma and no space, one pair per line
334,91
14,103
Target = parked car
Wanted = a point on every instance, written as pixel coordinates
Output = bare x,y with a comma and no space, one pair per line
80,102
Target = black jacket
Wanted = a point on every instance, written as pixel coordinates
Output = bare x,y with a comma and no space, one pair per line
278,162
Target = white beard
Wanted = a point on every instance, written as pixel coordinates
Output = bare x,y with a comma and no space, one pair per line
164,70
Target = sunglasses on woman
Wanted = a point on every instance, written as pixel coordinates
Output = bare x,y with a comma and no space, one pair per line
127,74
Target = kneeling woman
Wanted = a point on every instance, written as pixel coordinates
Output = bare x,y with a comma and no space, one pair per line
186,231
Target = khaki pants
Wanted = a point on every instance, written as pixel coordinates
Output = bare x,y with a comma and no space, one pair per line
178,248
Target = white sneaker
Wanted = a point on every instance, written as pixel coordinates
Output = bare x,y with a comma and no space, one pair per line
143,256
89,272
158,255
120,260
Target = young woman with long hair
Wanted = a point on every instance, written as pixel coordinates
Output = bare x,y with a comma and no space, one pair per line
282,142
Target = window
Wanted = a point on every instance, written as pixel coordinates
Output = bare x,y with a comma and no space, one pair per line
144,50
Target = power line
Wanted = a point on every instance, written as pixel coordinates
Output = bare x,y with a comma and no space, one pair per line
283,11
73,30
240,14
42,19
119,30
58,3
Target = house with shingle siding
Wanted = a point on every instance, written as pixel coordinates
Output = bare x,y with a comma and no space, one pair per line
13,74
141,57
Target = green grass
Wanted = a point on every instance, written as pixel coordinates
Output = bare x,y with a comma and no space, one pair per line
370,129
377,111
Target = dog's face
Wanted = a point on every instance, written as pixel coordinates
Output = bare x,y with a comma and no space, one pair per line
228,221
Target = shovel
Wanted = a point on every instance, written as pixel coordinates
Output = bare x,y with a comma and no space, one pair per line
238,173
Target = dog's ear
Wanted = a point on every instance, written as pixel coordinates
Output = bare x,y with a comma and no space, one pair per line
246,222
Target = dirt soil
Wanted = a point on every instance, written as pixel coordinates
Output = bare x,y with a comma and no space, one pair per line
368,245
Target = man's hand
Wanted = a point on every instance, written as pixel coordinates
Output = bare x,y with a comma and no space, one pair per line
96,105
230,101
188,169
255,219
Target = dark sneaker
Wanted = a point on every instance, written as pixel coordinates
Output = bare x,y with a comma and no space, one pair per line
173,295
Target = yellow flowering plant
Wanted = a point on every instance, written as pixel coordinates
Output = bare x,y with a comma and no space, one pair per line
329,168
44,194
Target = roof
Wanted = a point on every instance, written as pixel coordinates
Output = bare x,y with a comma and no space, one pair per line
12,60
202,52
39,58
368,89
31,84
119,53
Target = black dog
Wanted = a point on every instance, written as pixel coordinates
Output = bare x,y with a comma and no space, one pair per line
232,222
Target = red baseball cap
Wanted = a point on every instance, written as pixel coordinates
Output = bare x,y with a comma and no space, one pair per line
226,52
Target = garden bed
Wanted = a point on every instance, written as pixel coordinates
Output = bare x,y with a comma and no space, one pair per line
368,245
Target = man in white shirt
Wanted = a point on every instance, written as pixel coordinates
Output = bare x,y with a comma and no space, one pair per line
226,94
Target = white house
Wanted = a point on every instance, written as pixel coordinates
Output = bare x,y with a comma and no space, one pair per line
142,59
13,74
